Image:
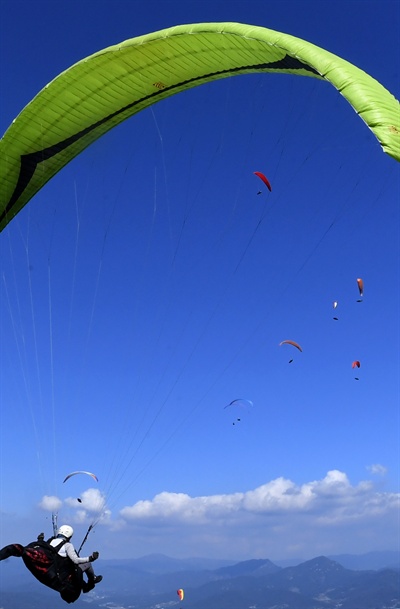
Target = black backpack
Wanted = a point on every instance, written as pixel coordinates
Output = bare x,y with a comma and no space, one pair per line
51,569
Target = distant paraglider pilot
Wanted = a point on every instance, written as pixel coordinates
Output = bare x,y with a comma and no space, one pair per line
56,564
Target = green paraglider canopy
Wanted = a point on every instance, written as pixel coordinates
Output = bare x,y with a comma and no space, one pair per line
101,91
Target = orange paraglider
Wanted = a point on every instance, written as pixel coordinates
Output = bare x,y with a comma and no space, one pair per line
181,594
291,342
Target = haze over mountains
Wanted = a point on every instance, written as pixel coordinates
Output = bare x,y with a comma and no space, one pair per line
151,582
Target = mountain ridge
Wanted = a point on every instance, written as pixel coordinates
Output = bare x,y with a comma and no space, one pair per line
151,582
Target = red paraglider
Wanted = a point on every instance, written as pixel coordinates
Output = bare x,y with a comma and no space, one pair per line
356,364
360,284
264,179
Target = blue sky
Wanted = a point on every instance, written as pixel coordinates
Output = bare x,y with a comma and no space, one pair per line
148,285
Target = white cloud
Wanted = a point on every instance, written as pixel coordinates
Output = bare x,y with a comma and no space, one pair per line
90,505
331,498
91,500
275,520
281,518
377,469
50,503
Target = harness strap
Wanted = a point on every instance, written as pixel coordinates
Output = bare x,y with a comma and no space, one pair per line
60,545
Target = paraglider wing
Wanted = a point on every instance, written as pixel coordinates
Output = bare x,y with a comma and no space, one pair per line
356,364
244,405
100,91
81,472
240,402
264,179
181,594
360,284
291,342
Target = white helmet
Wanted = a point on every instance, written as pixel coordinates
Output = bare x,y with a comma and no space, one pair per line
66,531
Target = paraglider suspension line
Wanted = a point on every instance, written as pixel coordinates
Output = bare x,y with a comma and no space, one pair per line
54,523
85,539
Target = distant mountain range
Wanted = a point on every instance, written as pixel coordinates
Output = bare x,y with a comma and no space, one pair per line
151,582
